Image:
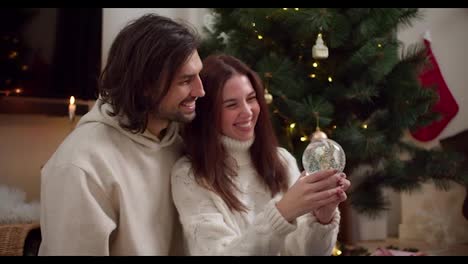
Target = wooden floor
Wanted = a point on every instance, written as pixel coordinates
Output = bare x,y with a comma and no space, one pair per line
430,250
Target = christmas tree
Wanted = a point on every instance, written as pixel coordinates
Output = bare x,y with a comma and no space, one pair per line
360,86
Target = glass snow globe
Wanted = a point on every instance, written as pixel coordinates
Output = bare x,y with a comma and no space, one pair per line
323,153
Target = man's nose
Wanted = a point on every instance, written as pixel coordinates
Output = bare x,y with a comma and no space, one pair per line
197,90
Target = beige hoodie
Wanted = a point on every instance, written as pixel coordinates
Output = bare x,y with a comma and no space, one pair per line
106,191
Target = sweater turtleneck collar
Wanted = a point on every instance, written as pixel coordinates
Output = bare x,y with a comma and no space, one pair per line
239,150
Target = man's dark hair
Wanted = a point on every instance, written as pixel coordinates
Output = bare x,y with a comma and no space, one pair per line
141,65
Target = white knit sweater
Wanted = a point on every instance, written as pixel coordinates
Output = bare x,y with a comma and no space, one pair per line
211,228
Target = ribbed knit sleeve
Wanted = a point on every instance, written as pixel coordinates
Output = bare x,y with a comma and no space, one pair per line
312,238
210,228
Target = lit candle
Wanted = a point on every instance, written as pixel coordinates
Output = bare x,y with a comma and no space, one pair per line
72,108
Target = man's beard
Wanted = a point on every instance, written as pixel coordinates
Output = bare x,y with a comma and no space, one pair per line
175,116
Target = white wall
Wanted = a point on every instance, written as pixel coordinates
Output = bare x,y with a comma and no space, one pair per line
114,19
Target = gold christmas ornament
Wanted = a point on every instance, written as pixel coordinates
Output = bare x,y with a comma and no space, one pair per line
318,134
268,97
319,50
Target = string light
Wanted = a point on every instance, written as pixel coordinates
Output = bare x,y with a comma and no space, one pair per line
336,251
312,75
304,138
330,79
379,45
334,126
285,9
291,127
13,55
364,126
297,9
253,24
315,64
260,37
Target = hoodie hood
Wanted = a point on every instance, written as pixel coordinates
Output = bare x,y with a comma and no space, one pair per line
99,115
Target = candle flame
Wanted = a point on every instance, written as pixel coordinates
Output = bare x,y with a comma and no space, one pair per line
72,100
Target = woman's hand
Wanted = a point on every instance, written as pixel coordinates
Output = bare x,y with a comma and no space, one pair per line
311,192
325,214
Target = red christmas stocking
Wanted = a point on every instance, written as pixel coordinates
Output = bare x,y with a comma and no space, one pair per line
446,106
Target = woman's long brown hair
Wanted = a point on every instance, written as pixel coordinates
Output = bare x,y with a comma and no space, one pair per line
210,161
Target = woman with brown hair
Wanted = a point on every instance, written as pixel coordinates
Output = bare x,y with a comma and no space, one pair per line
236,191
